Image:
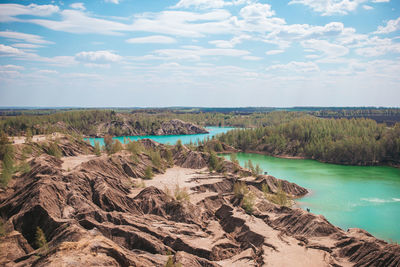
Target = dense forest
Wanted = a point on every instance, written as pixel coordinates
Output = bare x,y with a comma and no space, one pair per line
343,141
86,121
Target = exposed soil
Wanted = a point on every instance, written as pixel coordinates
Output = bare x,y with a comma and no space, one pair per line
92,216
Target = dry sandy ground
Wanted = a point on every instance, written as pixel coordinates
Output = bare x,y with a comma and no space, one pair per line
184,178
70,163
284,251
35,138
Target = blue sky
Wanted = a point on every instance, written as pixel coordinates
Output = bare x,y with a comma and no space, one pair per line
200,53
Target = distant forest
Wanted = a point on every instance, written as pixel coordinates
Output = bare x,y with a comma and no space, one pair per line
86,121
342,141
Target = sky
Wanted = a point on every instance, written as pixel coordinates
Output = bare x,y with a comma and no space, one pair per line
210,53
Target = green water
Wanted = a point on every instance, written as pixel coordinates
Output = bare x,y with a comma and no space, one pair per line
348,196
169,139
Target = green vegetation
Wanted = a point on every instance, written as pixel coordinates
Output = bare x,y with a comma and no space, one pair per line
112,146
179,145
7,160
148,173
343,141
241,191
155,157
280,198
97,149
215,162
40,239
54,150
170,263
169,157
181,194
139,184
2,229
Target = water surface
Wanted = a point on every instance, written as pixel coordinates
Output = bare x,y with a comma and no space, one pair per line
168,139
348,196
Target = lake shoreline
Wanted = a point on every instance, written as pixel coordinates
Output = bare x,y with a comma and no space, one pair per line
285,156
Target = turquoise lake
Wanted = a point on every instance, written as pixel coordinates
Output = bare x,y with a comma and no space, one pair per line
168,139
348,196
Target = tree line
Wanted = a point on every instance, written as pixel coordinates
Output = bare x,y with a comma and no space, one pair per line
343,141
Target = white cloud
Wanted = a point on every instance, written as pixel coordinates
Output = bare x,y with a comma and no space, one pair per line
328,49
112,1
330,7
26,46
256,11
9,50
295,66
196,52
79,6
155,39
367,7
47,71
30,38
76,21
391,26
11,67
9,12
231,43
98,57
204,4
251,58
274,52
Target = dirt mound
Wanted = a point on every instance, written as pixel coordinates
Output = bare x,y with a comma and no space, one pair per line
90,217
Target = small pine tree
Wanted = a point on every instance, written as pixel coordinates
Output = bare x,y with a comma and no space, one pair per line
234,159
116,146
258,170
155,158
40,239
28,137
148,173
108,142
179,145
54,150
170,262
97,150
169,157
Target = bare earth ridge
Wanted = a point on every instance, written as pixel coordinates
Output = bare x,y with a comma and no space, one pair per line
92,216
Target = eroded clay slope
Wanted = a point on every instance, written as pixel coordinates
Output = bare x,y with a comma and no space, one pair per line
92,216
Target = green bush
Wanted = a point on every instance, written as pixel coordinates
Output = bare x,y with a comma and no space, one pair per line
148,173
240,189
155,157
116,147
181,194
179,145
135,147
248,202
169,157
280,198
40,239
97,149
54,150
215,163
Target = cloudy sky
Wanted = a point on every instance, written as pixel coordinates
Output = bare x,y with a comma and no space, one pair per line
200,53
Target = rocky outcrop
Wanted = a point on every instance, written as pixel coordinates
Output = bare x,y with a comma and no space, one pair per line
178,127
126,127
91,216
